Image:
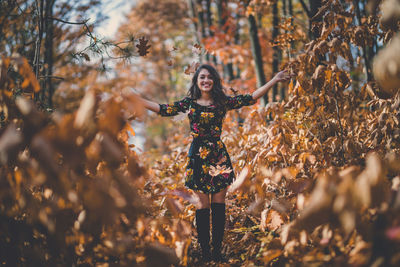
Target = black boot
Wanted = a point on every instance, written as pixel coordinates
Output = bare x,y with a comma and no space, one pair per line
203,232
218,225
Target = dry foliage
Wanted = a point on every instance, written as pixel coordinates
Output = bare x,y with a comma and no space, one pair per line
319,183
71,186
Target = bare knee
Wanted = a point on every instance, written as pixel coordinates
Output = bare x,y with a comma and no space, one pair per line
204,200
219,197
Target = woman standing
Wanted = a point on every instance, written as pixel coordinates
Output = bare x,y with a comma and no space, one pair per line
206,106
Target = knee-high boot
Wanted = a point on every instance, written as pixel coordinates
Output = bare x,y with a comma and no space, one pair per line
218,225
203,232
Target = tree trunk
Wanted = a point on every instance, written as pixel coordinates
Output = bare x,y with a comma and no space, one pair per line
284,8
209,24
209,18
237,41
314,7
290,6
221,11
275,59
200,17
48,53
37,64
257,56
367,55
192,14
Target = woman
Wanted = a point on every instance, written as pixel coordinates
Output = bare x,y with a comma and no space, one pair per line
208,168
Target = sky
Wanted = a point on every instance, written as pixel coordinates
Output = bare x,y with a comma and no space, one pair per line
116,11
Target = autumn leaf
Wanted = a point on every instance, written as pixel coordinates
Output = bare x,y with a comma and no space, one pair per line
271,220
186,195
190,69
143,47
240,180
218,170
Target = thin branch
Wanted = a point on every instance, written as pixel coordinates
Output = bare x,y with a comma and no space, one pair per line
69,22
112,57
94,45
51,77
122,42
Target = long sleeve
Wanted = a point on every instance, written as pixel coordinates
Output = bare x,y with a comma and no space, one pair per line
238,101
167,110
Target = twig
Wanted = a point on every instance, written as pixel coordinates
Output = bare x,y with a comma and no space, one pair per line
69,22
51,77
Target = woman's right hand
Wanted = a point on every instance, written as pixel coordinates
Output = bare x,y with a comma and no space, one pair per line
282,76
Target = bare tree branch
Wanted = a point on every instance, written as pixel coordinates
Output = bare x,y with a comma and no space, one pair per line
51,77
69,22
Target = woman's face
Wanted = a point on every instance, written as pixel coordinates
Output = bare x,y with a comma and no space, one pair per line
205,81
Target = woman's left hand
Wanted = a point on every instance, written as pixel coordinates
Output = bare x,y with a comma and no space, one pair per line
282,76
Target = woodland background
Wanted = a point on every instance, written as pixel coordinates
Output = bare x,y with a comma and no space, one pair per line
317,160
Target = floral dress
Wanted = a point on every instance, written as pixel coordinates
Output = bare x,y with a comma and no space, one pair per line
208,166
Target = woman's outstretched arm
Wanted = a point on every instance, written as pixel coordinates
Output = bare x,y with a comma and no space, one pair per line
150,105
166,110
279,77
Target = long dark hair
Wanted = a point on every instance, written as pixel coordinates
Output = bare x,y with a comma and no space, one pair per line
217,92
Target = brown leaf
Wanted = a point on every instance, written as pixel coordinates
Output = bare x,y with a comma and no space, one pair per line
319,206
290,172
386,67
110,150
111,118
299,185
143,47
134,167
10,139
190,69
281,205
240,180
186,195
174,206
271,219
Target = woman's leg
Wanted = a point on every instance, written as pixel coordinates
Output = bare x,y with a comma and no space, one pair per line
219,197
204,202
203,224
218,223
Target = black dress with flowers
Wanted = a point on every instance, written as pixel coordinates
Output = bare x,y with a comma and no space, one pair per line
208,166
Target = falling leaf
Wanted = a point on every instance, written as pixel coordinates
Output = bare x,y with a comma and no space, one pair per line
240,180
186,195
143,48
190,69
